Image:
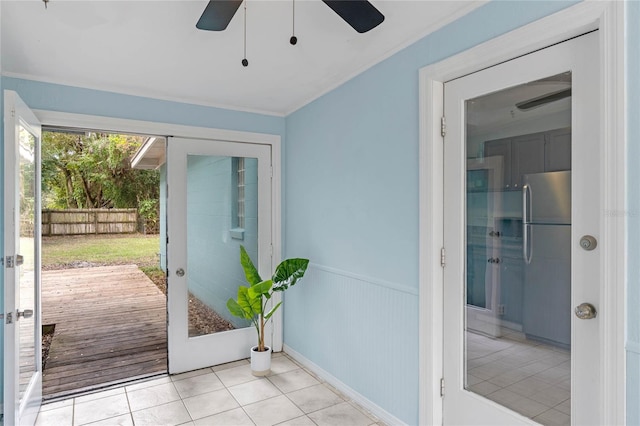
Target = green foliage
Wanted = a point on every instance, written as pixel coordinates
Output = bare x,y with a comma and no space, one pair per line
252,300
149,211
288,273
250,271
93,170
245,307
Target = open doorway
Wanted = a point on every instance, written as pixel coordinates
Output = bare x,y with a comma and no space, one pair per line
104,318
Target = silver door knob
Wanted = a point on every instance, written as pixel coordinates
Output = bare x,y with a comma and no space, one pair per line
586,311
180,272
27,313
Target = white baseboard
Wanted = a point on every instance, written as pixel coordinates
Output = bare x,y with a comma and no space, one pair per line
511,325
358,398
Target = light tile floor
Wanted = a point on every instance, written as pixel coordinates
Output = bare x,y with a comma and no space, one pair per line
529,377
223,395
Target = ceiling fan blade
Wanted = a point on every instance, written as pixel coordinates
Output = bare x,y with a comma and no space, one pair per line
218,14
360,14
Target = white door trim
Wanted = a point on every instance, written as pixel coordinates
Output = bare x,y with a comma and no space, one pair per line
64,119
609,19
19,410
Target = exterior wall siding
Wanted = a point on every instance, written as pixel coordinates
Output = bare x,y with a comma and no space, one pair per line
213,261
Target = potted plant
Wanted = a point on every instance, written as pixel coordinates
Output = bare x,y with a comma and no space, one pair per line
252,302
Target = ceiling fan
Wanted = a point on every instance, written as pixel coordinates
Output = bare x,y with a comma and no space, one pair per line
360,14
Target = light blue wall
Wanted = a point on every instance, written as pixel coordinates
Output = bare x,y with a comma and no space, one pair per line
633,194
352,207
55,97
213,255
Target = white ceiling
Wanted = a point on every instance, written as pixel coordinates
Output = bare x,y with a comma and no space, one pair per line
152,48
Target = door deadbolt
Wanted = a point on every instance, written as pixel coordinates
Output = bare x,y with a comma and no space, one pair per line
588,242
586,311
180,272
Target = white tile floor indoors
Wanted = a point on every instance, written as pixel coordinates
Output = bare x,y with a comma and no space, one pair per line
222,395
531,378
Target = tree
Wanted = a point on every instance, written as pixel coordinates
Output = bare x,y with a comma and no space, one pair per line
93,170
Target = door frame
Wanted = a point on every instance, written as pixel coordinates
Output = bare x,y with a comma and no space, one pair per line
609,19
187,352
64,119
28,408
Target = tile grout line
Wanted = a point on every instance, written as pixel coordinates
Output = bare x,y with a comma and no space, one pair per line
126,394
233,396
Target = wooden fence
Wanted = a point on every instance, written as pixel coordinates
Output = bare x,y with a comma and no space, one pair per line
89,221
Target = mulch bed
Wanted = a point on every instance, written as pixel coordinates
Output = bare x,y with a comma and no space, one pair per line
47,337
202,319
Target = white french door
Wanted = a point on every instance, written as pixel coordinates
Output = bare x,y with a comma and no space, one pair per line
537,115
22,313
219,198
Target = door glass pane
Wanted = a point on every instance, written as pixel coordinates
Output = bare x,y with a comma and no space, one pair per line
518,266
222,214
27,249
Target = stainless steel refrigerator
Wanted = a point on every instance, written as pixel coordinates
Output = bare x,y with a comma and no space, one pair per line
546,221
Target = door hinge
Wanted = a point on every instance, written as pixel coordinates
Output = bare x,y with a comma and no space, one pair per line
442,387
9,318
443,126
443,257
9,261
13,113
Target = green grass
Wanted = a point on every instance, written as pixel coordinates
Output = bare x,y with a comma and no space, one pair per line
141,250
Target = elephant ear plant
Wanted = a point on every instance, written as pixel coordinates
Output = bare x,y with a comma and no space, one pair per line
252,301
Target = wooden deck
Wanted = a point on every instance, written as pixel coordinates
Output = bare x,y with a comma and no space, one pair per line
110,326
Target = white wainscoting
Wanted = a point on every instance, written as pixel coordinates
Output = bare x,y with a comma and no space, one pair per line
360,334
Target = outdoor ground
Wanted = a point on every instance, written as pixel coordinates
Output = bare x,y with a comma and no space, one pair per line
100,250
85,251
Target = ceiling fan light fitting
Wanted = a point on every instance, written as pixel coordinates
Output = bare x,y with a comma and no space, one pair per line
543,100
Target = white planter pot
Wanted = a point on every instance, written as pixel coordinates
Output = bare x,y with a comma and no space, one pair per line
260,361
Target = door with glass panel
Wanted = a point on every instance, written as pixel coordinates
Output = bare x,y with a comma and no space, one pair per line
522,219
219,198
22,314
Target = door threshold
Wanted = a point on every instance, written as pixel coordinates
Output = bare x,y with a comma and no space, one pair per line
61,396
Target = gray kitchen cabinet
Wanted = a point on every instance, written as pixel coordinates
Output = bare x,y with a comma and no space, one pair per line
557,150
511,286
501,148
527,156
540,152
